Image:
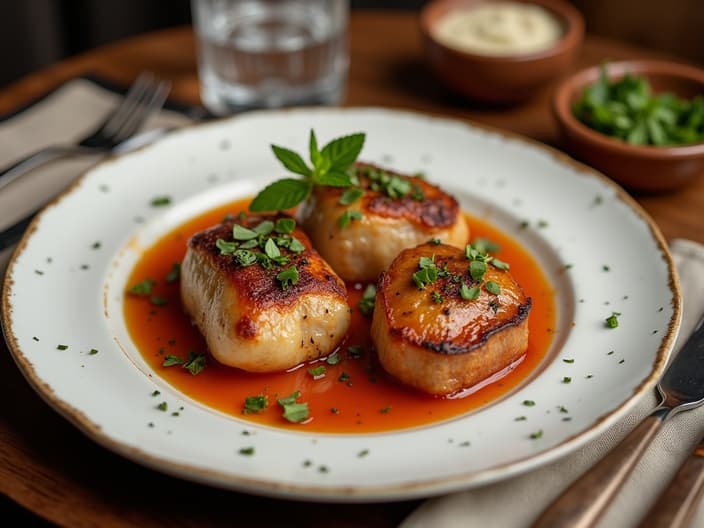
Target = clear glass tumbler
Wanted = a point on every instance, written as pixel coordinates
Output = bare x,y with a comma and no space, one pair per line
270,53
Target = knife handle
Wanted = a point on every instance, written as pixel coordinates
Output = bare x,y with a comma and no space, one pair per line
677,504
581,505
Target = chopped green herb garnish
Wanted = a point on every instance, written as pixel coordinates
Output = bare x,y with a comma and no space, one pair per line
427,274
529,403
163,406
195,364
568,360
329,167
536,435
35,338
296,246
160,201
612,320
62,347
264,228
158,300
355,351
492,287
499,264
294,412
288,277
351,195
174,274
363,453
485,245
343,377
317,372
143,288
171,360
226,248
477,269
245,257
345,218
385,410
246,451
334,410
156,393
520,419
255,404
333,359
92,352
566,379
366,303
469,293
285,226
271,249
437,298
243,233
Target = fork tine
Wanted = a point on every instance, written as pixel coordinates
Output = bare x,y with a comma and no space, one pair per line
124,109
153,100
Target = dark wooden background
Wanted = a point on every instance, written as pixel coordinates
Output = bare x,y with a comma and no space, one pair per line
35,33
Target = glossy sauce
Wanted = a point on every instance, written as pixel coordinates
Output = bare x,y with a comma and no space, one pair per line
355,395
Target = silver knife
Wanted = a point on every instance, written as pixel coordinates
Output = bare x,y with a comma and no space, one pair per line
681,389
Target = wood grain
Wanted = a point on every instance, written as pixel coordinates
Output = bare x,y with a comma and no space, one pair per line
677,504
50,468
583,503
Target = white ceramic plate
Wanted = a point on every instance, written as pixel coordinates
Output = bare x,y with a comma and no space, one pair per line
62,289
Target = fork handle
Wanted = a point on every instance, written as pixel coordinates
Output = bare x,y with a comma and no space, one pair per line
581,505
33,161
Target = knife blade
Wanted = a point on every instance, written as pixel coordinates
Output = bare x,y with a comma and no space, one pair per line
681,389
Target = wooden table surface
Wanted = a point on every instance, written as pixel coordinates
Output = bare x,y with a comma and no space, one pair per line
48,467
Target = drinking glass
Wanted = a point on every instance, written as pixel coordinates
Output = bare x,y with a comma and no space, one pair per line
270,53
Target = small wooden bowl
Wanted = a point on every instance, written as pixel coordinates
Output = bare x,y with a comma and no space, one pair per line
638,168
500,78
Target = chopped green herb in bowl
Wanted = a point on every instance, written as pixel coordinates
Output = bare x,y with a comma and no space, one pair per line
640,122
628,109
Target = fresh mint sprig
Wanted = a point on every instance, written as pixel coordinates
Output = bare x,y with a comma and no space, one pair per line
328,166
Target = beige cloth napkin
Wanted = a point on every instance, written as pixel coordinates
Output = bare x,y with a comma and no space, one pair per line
64,116
517,502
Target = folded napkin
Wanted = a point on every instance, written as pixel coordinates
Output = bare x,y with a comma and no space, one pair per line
64,116
517,502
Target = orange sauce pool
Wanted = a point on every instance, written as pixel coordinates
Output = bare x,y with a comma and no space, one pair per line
365,401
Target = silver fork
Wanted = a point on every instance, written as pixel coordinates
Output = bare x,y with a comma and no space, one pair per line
146,95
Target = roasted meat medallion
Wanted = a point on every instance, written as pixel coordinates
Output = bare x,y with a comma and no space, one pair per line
446,319
359,231
262,297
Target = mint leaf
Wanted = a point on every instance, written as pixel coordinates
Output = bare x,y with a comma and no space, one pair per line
315,156
291,160
282,194
329,168
342,152
334,179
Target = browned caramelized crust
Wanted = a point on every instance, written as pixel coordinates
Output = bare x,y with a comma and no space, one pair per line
438,341
395,212
426,204
249,317
257,285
